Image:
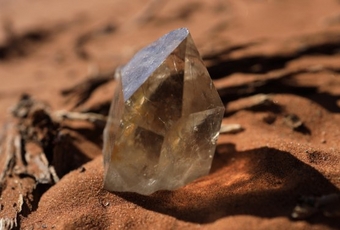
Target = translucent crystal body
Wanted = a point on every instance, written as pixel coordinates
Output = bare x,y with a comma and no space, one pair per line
164,119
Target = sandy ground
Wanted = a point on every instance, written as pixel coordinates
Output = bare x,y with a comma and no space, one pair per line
271,61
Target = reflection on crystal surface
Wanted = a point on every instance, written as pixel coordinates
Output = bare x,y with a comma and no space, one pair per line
164,119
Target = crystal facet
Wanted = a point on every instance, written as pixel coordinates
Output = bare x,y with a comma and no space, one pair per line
164,119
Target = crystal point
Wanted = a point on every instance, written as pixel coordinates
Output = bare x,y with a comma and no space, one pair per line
164,119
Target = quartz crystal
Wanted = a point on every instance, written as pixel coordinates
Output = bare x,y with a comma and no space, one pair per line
164,119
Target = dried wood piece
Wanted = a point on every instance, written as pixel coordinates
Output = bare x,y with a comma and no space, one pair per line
36,148
231,128
90,117
26,144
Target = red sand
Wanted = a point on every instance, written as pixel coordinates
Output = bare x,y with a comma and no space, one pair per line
289,49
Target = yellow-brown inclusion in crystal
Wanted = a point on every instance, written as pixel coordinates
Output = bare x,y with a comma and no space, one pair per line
161,133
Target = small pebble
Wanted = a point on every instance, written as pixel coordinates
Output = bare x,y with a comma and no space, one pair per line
269,118
293,121
82,169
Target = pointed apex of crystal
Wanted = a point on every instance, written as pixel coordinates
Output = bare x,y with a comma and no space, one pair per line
164,119
149,59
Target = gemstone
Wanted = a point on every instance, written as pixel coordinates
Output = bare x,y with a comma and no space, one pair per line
164,119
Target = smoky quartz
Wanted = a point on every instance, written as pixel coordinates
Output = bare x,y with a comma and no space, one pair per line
164,119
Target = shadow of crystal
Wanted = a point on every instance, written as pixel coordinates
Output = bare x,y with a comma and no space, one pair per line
263,182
